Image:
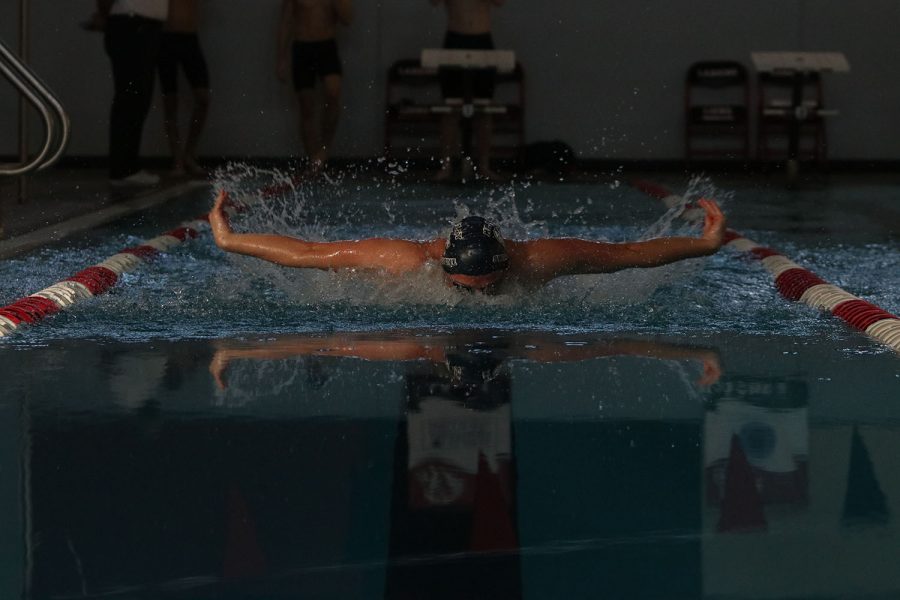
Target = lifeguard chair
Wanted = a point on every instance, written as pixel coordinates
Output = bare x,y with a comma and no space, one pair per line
716,100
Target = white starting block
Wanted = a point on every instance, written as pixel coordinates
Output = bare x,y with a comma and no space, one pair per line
797,65
805,62
468,63
502,60
482,105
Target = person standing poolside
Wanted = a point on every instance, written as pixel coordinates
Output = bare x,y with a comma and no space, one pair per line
474,257
180,46
132,31
307,49
468,28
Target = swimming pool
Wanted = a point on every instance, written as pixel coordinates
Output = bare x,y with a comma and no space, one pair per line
215,427
847,236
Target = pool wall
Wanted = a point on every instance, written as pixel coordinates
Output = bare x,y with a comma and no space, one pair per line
627,94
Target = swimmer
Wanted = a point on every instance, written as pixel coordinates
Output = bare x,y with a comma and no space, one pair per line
474,257
464,367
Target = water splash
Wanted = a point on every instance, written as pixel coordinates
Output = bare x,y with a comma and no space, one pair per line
197,291
323,210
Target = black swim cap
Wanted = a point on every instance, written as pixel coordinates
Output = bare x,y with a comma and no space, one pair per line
474,248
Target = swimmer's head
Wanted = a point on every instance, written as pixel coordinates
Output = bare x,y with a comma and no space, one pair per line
475,257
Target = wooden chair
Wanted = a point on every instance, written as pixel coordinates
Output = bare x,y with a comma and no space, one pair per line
716,113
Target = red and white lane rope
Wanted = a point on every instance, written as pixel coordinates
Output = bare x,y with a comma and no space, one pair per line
797,283
99,278
93,280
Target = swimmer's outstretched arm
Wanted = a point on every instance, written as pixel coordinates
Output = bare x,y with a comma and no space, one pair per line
435,350
708,357
375,350
555,257
395,256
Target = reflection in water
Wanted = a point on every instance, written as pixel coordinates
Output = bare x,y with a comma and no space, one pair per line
865,502
421,464
453,508
453,511
756,449
760,481
461,355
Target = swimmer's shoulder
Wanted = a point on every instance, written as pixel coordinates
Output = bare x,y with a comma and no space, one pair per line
535,262
522,252
433,249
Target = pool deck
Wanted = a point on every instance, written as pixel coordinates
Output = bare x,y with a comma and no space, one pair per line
61,203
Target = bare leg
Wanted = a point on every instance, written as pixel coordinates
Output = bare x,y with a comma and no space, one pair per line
198,120
170,123
308,130
331,112
449,143
484,128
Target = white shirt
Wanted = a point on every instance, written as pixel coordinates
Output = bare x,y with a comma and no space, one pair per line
151,9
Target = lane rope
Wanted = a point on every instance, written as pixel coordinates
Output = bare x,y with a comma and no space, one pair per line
92,281
796,283
99,278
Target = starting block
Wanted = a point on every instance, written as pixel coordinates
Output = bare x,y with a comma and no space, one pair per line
797,66
468,62
502,60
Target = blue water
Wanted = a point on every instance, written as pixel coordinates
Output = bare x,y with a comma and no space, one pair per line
219,428
198,291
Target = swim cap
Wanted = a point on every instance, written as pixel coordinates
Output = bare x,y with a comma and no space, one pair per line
474,248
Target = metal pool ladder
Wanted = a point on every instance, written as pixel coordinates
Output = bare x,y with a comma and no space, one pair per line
56,122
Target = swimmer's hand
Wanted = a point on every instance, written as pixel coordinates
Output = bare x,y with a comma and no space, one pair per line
713,224
712,370
217,368
218,220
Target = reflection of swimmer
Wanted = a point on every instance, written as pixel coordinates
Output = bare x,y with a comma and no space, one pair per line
475,257
454,529
467,373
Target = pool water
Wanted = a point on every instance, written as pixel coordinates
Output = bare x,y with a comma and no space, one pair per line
195,291
216,427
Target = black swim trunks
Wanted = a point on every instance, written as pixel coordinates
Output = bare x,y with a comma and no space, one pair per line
181,49
452,85
312,60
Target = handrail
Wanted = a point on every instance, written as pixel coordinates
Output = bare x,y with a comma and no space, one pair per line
46,103
54,103
22,168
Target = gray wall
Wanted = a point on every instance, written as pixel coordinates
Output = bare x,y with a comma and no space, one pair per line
604,76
